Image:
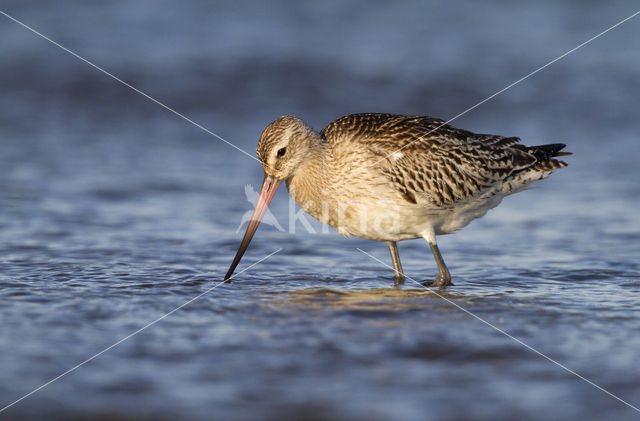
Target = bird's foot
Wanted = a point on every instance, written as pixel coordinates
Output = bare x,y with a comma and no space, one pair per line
441,282
398,280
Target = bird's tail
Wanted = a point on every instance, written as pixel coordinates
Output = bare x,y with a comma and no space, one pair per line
545,163
544,156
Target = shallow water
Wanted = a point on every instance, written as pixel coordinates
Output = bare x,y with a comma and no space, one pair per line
115,212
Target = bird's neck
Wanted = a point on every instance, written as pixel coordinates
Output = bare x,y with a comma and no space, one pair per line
308,185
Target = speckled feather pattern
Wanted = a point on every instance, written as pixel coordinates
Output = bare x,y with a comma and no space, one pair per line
432,177
423,157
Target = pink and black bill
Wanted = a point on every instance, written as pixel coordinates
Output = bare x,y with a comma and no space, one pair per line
268,190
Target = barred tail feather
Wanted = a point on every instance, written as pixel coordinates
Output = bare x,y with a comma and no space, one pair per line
541,169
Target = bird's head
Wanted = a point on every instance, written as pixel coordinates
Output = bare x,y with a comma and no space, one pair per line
283,146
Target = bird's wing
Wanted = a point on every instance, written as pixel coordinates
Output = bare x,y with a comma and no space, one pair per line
425,159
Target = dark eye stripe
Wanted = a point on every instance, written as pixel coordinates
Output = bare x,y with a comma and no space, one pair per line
282,151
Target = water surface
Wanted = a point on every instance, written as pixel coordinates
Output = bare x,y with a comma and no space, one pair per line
114,212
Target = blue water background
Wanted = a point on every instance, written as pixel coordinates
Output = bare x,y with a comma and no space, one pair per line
114,211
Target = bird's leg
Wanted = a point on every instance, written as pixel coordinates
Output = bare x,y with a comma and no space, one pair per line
397,266
444,277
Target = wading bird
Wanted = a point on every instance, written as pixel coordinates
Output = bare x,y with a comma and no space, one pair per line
389,177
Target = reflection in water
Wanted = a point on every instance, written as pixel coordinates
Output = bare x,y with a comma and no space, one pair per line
379,299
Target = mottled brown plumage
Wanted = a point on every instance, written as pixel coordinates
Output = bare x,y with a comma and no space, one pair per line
389,177
422,156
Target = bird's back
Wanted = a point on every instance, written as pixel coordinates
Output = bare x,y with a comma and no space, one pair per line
430,163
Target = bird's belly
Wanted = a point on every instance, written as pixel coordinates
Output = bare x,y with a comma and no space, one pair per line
377,223
395,221
365,217
461,215
377,212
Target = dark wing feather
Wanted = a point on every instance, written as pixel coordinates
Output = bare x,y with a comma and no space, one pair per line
424,158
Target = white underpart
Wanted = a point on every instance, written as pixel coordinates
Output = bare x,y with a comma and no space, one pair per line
380,222
523,181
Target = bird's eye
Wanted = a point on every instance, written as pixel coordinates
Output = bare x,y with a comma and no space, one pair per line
282,151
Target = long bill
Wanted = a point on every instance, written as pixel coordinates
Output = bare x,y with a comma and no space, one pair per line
268,190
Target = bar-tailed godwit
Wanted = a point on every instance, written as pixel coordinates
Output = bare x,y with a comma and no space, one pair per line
388,177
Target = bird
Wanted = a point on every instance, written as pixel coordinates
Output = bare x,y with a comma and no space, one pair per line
392,177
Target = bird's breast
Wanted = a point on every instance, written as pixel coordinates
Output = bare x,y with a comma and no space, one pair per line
354,203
